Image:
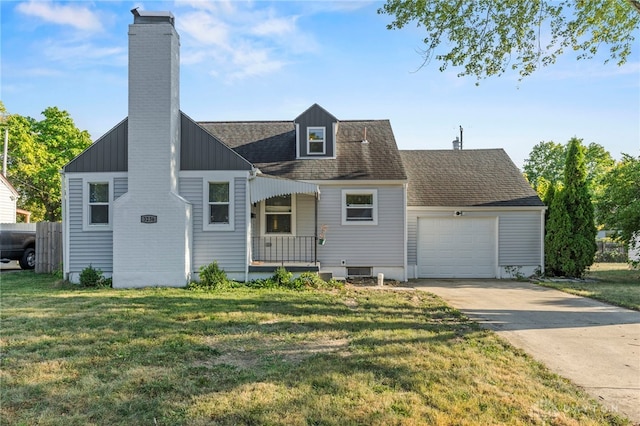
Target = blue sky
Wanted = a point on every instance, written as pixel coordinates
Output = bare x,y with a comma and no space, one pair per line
265,60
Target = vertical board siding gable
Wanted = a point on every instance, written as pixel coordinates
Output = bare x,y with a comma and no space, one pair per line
107,154
199,150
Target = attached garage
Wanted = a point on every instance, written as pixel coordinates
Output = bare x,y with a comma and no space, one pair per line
471,214
457,247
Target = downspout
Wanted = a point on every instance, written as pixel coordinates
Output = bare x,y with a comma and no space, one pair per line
65,224
315,240
6,150
248,230
406,231
542,216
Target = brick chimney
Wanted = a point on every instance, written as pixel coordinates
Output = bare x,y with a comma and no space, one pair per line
152,223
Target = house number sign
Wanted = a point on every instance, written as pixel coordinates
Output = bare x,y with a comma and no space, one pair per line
148,218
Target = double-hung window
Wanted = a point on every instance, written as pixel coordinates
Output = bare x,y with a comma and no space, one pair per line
98,214
218,206
316,140
359,207
218,203
278,214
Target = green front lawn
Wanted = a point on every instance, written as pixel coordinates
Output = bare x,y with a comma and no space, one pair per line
75,356
613,283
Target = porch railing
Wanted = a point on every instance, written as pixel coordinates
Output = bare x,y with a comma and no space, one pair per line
283,249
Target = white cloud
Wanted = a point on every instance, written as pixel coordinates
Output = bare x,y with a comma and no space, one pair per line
43,72
219,6
205,29
85,52
73,14
339,6
253,62
240,39
276,26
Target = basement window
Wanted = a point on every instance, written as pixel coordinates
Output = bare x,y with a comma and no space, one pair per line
359,271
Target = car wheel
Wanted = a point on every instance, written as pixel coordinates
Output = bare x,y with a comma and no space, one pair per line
28,260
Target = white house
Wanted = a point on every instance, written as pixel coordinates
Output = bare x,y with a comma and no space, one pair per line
8,200
160,195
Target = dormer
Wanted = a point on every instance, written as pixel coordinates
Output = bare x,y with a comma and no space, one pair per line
316,132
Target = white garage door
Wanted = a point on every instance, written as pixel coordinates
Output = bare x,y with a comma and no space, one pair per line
457,247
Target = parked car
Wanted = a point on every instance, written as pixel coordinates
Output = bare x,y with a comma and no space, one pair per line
18,242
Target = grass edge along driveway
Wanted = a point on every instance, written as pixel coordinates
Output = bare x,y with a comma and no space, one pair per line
171,356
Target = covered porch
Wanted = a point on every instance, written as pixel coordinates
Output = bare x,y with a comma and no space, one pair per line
284,229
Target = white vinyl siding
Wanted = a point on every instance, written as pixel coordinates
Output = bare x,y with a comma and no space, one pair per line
7,204
89,247
119,187
227,248
381,245
520,241
305,215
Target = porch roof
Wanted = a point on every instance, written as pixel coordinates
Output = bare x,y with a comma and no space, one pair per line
263,187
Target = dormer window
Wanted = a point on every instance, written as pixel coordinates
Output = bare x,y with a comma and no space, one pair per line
316,133
316,140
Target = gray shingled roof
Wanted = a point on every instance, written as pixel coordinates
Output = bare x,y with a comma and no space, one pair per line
271,146
465,178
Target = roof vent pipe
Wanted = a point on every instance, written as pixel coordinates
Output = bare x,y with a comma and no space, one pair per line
456,144
364,140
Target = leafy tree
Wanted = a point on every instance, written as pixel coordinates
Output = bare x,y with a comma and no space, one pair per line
487,37
571,232
37,152
619,205
546,164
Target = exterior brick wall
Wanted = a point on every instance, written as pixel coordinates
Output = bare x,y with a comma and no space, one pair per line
152,254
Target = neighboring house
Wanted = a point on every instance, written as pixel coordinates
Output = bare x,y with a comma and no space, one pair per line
160,195
634,250
8,200
471,214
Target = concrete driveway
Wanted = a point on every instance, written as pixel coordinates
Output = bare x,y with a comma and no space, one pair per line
595,345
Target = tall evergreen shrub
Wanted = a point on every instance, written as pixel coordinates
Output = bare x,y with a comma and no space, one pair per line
570,242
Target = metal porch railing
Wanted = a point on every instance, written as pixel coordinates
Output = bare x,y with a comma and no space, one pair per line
284,249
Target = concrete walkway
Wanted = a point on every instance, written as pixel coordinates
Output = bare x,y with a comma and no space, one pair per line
595,345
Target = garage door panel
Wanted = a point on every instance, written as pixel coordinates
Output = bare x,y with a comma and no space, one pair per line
456,247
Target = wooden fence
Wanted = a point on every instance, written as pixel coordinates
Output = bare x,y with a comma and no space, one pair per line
48,247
